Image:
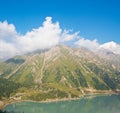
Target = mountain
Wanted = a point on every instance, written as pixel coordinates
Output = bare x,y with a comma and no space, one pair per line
61,72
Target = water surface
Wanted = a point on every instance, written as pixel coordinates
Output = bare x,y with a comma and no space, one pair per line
97,104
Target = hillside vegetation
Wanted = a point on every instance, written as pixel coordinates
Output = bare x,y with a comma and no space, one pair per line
60,72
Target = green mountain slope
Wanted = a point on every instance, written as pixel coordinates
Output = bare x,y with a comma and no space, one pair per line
61,72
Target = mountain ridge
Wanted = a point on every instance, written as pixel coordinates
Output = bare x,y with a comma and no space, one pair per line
61,71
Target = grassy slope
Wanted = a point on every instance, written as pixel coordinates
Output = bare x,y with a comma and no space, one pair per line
61,72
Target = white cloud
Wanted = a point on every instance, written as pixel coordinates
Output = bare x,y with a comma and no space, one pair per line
67,36
111,46
8,36
94,46
89,44
7,50
7,31
46,36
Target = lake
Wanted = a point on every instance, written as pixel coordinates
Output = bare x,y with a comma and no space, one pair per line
87,104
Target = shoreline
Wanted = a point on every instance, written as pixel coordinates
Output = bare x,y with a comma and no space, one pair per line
5,103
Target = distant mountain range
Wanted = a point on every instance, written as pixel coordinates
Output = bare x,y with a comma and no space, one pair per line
64,72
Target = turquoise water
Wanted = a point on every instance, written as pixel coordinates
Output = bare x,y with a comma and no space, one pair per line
98,104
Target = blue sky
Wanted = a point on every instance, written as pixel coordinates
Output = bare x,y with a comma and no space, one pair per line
98,19
27,25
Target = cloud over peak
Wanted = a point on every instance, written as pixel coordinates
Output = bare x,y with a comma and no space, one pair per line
48,35
45,36
111,46
86,43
